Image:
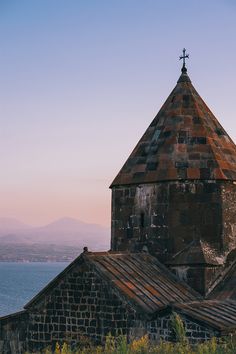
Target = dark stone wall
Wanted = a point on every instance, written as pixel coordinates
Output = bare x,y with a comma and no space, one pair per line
228,195
167,216
82,304
198,277
161,329
13,332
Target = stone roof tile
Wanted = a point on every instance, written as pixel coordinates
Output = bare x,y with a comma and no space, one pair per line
184,141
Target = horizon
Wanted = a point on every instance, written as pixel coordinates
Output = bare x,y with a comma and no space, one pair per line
62,218
81,82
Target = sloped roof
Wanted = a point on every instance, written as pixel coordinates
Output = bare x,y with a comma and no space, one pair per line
15,316
226,287
184,141
220,315
150,287
139,277
143,279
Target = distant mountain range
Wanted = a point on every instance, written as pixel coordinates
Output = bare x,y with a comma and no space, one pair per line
65,231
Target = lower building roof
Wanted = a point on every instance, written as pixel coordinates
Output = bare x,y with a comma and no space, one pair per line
142,279
220,315
139,277
226,287
149,286
197,252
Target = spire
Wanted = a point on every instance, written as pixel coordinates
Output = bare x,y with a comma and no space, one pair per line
184,141
184,76
183,57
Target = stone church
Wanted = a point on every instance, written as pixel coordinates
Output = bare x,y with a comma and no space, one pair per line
173,243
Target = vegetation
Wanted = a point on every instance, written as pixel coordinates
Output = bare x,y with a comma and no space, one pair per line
120,345
178,328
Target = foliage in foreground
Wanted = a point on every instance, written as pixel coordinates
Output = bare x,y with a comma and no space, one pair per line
119,345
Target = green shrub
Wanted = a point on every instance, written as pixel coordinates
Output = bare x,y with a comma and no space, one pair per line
178,328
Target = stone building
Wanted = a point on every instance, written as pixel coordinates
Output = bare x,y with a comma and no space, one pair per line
173,243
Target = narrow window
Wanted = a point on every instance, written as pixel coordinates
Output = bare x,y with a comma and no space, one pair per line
142,220
129,229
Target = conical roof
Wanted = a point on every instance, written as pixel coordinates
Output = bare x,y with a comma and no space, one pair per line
185,141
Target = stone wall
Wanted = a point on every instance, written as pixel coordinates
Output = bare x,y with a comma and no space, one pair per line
228,195
15,336
13,332
161,329
166,217
82,304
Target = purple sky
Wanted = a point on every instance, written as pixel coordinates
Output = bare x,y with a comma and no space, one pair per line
82,80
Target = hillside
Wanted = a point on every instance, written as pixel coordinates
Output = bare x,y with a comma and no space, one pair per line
19,241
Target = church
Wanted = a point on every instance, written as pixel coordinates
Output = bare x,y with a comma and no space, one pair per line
173,243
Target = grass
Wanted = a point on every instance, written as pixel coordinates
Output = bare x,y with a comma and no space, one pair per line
119,345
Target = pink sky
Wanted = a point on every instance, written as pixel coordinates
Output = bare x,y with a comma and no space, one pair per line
80,83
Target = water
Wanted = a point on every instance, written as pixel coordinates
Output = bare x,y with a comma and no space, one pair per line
19,282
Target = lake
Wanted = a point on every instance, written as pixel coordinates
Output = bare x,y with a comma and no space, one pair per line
19,282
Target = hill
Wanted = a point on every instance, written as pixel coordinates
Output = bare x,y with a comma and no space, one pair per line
65,233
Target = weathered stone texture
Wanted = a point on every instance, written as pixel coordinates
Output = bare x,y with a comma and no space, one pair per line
13,330
167,216
37,330
81,305
83,302
161,329
228,196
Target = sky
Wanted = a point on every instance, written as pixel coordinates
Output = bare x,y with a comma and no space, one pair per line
81,80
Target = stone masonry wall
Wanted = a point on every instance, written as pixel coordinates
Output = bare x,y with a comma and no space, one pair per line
228,195
161,329
167,216
14,337
13,330
82,304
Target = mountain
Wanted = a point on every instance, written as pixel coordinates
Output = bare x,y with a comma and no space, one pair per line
64,231
10,224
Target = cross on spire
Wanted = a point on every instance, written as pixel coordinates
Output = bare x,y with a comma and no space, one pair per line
184,56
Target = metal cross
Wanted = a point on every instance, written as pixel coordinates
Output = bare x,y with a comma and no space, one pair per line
184,56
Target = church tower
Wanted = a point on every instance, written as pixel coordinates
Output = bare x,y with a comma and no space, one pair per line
175,197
